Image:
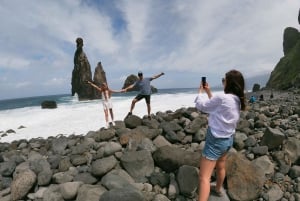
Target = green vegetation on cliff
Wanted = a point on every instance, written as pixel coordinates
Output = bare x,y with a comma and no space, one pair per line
286,73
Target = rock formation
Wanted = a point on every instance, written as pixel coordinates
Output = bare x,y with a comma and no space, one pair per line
299,17
99,78
286,73
132,79
81,73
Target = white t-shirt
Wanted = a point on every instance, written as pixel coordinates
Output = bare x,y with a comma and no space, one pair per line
223,112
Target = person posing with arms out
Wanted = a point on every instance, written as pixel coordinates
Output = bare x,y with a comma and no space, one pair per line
106,101
223,111
143,84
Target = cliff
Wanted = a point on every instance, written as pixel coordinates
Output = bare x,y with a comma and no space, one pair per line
286,73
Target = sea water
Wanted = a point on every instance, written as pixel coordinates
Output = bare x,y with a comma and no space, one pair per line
26,117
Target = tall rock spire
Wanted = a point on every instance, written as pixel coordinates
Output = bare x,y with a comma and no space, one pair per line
81,73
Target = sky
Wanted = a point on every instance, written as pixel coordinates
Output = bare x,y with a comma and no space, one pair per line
184,39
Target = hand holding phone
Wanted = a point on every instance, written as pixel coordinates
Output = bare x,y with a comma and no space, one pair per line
203,79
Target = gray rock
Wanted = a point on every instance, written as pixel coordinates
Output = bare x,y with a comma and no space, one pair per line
69,190
112,181
244,179
77,160
22,183
160,141
260,150
39,165
170,126
294,171
90,192
292,149
62,177
265,164
170,158
275,193
138,164
104,165
272,138
173,189
7,168
44,177
111,147
160,197
132,121
86,178
196,124
59,145
53,193
187,178
159,178
124,194
104,135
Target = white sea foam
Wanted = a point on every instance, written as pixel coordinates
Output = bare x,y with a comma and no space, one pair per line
80,117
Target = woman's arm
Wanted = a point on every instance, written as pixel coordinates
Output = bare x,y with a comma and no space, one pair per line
95,86
116,91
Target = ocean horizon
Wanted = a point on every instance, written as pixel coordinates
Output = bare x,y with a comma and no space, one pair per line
26,117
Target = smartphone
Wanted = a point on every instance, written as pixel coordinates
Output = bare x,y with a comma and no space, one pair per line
203,79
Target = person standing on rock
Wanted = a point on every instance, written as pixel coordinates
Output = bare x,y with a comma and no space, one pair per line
143,84
223,115
106,101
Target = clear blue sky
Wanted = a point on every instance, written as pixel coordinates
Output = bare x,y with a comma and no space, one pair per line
184,39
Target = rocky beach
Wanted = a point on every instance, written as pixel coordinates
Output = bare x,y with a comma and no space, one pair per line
157,159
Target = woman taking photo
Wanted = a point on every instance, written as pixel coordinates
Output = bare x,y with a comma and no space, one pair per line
223,111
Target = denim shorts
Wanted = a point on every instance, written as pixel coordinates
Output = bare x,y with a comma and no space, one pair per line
214,147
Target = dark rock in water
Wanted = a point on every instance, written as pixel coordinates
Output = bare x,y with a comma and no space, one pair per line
256,87
129,81
49,104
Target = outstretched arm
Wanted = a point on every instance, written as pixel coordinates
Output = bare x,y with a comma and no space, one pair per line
95,86
157,76
116,91
129,87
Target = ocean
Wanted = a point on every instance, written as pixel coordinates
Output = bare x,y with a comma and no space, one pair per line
26,117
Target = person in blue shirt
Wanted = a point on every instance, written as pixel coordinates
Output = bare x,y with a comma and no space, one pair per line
143,84
252,99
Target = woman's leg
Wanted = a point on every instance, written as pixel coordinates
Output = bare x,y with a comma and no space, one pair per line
206,168
106,115
221,171
111,114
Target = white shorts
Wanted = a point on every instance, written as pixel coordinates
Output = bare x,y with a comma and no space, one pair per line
107,104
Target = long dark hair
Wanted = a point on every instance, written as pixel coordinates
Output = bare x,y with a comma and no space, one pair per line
235,84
